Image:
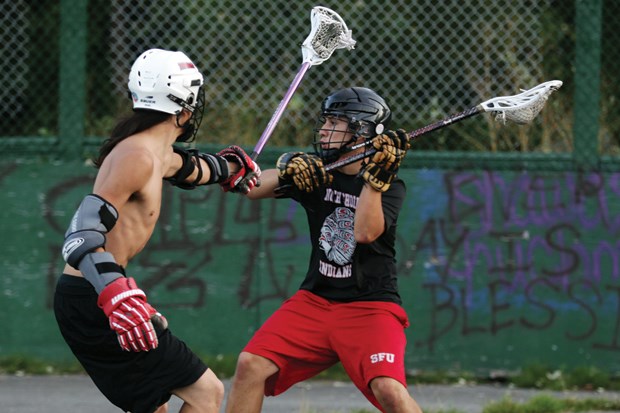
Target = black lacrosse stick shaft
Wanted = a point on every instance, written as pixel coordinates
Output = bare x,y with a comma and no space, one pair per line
457,117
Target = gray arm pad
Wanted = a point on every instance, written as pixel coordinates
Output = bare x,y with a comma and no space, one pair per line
80,243
93,219
100,269
93,213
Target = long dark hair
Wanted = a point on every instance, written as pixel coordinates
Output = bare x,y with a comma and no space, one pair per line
137,122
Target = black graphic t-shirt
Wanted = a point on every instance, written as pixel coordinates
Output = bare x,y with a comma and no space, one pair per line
339,268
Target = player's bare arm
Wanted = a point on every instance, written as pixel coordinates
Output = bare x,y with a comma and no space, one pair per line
269,182
369,221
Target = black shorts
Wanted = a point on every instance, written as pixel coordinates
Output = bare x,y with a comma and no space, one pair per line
137,382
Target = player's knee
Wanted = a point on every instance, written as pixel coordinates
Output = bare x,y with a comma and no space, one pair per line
205,395
253,367
389,392
217,392
214,388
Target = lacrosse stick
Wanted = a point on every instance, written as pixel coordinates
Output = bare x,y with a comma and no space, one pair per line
520,109
328,33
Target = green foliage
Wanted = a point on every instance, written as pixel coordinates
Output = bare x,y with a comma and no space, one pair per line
588,378
541,376
361,411
222,365
22,364
443,411
505,405
244,127
535,375
444,377
537,404
590,404
544,403
226,121
40,111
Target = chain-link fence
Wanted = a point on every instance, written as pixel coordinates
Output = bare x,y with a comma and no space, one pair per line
429,59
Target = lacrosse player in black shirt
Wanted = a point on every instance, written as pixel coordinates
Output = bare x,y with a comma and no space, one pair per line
347,308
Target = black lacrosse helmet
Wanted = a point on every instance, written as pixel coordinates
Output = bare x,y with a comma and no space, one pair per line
367,114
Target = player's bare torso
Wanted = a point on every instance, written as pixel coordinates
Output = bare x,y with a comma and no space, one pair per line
131,179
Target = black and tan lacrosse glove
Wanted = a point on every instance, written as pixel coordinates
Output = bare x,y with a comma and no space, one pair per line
304,171
383,166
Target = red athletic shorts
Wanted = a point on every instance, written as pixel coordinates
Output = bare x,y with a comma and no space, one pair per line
308,334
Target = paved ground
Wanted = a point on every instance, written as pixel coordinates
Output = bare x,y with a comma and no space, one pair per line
76,393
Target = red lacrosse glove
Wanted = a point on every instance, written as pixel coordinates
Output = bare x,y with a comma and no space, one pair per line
130,315
248,175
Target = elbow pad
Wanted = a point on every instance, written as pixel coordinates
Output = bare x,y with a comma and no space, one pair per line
92,220
80,243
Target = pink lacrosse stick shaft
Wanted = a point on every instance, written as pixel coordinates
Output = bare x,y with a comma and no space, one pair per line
279,111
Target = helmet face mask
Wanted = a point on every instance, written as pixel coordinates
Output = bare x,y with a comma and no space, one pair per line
168,82
190,127
333,133
366,115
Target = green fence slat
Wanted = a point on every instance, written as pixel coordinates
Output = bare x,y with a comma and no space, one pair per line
73,34
587,82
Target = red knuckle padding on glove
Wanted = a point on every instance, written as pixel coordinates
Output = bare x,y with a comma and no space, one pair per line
248,175
129,314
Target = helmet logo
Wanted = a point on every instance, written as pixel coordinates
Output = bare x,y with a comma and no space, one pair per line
134,97
186,65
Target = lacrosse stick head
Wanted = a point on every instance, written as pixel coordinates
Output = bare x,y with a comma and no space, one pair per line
524,107
328,33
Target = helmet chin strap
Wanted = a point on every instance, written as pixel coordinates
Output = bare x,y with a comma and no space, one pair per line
347,147
188,129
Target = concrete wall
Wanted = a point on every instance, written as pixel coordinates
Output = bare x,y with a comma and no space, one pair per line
497,269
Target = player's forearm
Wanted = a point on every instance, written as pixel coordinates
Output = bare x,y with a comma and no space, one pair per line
369,221
268,183
194,168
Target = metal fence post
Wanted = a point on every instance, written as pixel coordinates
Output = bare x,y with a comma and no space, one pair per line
71,113
588,30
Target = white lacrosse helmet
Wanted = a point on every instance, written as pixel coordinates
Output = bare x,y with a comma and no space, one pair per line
164,81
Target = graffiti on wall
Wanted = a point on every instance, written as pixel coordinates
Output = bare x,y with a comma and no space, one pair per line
520,251
195,222
501,251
